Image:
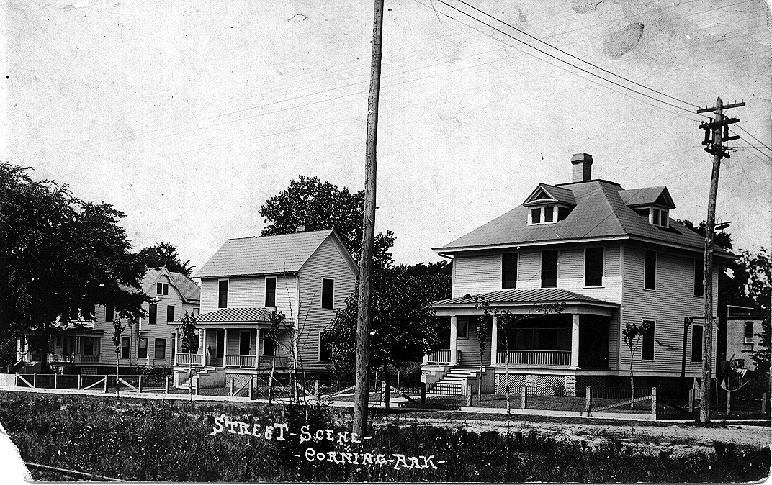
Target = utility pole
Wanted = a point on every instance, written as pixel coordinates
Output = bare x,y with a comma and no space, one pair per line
716,133
362,390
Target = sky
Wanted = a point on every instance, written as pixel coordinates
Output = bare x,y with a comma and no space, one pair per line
188,115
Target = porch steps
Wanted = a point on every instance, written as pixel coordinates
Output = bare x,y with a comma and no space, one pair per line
455,378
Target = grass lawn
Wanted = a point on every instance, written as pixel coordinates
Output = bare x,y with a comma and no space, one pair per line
170,441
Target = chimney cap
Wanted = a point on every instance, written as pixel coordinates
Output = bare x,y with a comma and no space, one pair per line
581,158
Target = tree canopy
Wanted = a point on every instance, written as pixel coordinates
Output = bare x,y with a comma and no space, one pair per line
164,254
59,254
308,202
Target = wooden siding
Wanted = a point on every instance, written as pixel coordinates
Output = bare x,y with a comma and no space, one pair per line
470,348
671,300
249,292
474,274
328,261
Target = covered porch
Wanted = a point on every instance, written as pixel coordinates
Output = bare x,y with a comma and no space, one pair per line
575,338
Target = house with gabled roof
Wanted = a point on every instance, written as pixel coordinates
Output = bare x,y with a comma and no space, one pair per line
87,346
608,256
305,276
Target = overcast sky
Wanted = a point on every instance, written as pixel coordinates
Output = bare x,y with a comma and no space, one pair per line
188,115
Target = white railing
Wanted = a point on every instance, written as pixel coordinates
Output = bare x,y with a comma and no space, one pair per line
185,359
535,357
240,360
86,359
439,357
60,358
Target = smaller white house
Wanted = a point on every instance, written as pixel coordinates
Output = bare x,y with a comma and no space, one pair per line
743,335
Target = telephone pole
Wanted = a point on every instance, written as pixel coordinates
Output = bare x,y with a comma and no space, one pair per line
362,388
716,133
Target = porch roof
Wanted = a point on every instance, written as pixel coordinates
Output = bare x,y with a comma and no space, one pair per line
526,297
235,315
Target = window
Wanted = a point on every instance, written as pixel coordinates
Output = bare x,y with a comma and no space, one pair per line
142,349
222,301
697,343
162,289
270,292
650,270
327,293
508,270
549,269
536,215
699,277
647,342
160,348
463,328
88,346
549,213
152,314
658,217
169,313
109,313
325,349
125,347
748,333
593,267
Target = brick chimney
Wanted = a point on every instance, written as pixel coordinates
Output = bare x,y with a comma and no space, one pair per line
582,167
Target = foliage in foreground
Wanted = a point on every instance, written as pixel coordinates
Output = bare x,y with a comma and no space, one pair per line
152,441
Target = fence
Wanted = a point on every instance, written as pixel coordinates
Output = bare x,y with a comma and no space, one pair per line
105,383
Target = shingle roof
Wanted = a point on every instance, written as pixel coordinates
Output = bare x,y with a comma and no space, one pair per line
600,212
234,315
534,295
263,255
559,193
188,289
647,196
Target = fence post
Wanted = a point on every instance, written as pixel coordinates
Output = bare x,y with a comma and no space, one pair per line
251,382
105,384
166,385
316,389
728,401
764,403
468,392
654,403
55,380
691,400
524,397
230,387
139,384
34,380
80,382
587,400
423,393
195,381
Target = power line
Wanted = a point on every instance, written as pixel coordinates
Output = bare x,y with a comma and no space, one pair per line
754,137
563,60
573,56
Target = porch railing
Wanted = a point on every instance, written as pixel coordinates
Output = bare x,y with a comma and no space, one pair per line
75,358
279,360
86,359
185,358
439,357
240,360
535,357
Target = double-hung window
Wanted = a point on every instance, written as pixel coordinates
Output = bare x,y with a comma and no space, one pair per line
593,267
125,347
508,270
549,268
647,342
328,290
697,342
222,296
270,292
650,270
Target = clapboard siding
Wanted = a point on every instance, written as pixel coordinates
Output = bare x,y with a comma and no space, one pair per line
328,261
470,347
482,273
671,300
476,274
249,292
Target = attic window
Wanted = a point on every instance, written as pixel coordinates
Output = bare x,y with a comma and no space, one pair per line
655,215
547,214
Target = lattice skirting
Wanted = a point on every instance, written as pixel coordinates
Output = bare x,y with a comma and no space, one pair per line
539,385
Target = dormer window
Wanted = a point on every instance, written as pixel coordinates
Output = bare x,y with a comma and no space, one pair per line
653,203
548,204
548,214
655,215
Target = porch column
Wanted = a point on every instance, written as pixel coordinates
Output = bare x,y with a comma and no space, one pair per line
176,346
225,350
203,347
575,342
257,347
494,339
453,340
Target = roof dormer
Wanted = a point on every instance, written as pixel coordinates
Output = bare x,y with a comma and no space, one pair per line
549,204
653,203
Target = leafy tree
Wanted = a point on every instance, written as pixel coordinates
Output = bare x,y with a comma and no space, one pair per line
189,344
59,254
164,254
631,336
318,205
403,324
118,329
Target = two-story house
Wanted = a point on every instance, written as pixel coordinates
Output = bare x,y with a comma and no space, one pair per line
744,326
610,256
306,276
88,348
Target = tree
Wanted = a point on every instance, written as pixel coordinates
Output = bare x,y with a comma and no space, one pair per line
403,324
118,329
631,335
316,205
164,254
59,255
189,344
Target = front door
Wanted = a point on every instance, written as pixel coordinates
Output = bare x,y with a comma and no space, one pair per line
244,343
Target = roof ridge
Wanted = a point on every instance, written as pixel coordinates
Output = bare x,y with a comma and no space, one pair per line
279,235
